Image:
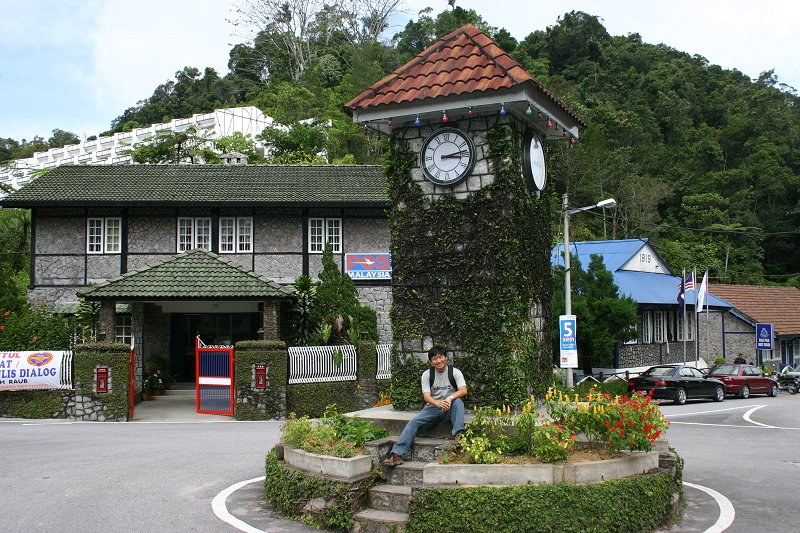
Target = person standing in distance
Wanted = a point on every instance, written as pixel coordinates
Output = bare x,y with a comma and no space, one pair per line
443,390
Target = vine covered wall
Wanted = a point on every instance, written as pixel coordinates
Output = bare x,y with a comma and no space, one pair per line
471,269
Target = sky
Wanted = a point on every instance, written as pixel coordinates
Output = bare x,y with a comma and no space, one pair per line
78,64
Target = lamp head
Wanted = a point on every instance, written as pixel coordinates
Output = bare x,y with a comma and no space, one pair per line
608,202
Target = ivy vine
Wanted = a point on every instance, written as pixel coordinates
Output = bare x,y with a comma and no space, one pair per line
466,272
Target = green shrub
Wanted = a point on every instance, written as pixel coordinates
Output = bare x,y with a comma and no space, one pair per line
335,434
287,491
636,504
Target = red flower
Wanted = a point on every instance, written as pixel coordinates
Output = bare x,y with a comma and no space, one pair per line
5,314
2,328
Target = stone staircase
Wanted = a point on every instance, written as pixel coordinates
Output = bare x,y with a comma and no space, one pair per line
389,502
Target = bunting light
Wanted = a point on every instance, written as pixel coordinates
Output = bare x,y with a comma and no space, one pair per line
418,122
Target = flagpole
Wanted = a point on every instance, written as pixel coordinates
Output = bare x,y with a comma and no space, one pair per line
685,333
696,325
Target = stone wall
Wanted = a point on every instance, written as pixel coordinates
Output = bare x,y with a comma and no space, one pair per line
379,298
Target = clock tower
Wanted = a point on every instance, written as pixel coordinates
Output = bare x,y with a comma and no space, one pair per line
470,221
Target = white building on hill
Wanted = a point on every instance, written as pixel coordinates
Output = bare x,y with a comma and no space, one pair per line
114,150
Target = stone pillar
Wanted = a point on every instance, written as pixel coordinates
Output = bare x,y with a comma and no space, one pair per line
108,322
270,323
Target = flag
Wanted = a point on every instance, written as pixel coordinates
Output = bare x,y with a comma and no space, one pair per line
681,293
689,284
702,294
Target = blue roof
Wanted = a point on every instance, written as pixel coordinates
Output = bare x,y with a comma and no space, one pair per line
643,287
661,289
614,253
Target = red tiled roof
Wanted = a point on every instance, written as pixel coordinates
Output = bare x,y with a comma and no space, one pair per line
774,305
463,62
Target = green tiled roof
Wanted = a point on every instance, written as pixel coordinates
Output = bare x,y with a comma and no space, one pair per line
194,275
216,185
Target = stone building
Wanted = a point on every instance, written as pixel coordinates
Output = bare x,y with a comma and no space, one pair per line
174,251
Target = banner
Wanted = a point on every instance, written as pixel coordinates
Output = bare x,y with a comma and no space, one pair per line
38,370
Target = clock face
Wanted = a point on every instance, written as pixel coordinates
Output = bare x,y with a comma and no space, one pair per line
533,165
447,156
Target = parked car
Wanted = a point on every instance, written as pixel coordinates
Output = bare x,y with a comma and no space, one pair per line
744,380
677,383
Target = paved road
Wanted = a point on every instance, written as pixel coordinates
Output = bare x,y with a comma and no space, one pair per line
162,476
747,451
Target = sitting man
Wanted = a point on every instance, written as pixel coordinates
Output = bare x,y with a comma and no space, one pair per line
443,388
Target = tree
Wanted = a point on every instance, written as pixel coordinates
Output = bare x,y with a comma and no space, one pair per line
61,138
243,144
336,308
298,144
174,147
604,318
14,257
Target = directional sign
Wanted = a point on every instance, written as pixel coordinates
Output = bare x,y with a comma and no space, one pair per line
763,336
567,327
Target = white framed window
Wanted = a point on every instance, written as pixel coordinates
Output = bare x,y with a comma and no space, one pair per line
322,231
659,326
647,327
103,235
227,235
193,233
124,329
686,330
244,234
235,235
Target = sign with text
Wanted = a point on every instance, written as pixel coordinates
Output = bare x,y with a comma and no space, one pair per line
35,370
368,266
763,336
567,328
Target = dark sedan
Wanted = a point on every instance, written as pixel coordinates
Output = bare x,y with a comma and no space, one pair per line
744,380
677,383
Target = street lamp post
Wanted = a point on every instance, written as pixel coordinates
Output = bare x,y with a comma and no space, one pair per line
609,202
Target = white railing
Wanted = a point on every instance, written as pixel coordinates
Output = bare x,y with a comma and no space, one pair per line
384,361
316,364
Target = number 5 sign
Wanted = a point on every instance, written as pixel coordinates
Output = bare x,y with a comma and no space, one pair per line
567,327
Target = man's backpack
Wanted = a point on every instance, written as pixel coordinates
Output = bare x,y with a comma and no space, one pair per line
450,376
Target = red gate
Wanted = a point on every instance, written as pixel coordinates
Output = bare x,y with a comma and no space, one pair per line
214,378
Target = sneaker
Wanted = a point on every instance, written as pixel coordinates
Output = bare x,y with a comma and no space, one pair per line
393,460
457,441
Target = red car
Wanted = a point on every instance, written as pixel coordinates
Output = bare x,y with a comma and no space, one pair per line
744,380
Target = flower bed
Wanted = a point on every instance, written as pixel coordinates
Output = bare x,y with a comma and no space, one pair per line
327,465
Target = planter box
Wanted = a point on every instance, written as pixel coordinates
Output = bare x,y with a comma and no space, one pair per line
503,475
343,468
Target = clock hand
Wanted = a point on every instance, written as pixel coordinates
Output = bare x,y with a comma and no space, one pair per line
455,155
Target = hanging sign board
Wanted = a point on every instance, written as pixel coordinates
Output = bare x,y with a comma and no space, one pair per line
35,370
567,328
368,266
763,336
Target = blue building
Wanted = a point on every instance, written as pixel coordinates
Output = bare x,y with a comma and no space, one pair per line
662,335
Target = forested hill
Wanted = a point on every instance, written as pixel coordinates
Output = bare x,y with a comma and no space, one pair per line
703,160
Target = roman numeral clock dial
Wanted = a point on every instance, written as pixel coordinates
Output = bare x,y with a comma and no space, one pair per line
447,156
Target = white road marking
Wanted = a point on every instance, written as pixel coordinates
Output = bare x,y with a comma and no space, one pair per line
746,416
218,505
726,511
713,411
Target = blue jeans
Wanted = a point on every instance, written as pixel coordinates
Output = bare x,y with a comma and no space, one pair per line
427,417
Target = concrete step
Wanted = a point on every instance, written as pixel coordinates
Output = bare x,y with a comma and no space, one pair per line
409,473
390,498
375,521
425,449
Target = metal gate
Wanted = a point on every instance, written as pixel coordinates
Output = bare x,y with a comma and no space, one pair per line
214,378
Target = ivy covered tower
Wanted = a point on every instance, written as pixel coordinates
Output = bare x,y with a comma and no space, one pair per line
470,221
